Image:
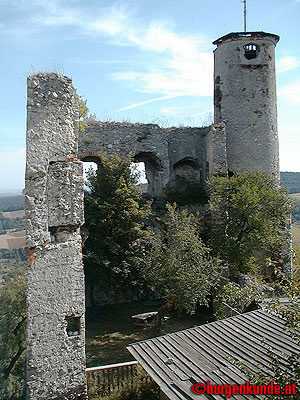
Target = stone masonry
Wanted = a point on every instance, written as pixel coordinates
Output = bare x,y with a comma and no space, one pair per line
245,100
54,214
244,137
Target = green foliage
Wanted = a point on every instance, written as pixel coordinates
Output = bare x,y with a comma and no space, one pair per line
177,264
84,113
11,203
291,180
142,388
11,223
12,263
236,297
249,212
12,336
113,213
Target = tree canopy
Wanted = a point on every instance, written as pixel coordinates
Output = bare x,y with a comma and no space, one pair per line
113,215
177,264
12,336
249,212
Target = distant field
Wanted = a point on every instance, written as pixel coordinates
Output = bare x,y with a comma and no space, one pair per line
296,233
295,195
12,203
12,240
14,214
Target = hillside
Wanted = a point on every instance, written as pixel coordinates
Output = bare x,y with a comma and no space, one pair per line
291,180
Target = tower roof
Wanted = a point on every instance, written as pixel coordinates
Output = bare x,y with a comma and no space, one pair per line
239,35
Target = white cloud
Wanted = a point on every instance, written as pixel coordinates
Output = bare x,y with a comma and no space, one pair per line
286,64
181,65
289,147
290,92
12,167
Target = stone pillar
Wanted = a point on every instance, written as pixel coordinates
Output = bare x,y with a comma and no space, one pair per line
54,214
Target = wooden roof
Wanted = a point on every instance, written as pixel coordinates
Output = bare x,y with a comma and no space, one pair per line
178,360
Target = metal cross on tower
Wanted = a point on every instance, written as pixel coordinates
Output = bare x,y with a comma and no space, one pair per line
245,14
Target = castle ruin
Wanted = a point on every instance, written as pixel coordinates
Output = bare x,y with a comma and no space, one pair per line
243,137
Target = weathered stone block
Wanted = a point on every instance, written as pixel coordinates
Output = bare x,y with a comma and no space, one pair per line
56,360
65,194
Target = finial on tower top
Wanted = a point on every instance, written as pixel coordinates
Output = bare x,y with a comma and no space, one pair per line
245,14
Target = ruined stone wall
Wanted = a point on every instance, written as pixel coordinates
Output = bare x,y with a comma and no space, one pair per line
244,137
54,214
245,100
168,153
143,142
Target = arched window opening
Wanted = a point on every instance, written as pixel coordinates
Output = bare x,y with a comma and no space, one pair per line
89,167
151,168
187,171
251,50
140,168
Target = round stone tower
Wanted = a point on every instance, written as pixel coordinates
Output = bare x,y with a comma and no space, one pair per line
245,100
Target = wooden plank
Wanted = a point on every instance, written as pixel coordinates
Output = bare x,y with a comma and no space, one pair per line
223,364
222,349
110,366
188,368
243,343
280,332
164,355
257,329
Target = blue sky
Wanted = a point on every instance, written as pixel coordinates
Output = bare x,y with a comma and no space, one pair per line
138,60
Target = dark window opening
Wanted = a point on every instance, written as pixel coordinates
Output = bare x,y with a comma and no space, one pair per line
251,50
73,326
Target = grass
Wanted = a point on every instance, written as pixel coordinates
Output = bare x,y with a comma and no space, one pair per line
113,329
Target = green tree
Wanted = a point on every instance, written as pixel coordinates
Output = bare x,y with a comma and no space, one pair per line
233,299
84,112
176,263
12,336
113,215
249,212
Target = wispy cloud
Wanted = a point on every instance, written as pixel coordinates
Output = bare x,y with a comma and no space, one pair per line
142,103
286,64
180,64
291,92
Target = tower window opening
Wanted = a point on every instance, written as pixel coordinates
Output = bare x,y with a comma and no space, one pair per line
251,50
73,325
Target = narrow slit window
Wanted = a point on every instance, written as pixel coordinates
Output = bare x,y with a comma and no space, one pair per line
73,326
251,50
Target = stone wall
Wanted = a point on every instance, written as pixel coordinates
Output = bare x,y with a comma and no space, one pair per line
245,100
54,214
168,154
